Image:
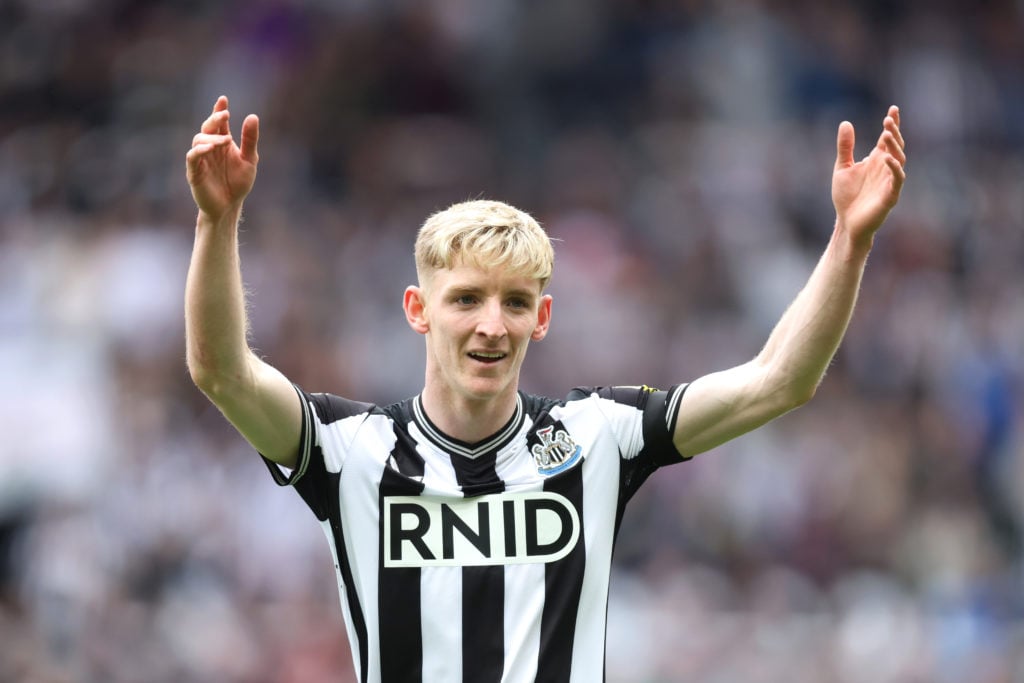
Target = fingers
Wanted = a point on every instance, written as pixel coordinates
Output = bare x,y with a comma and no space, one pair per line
887,142
890,127
894,114
221,105
899,176
891,142
202,145
210,140
215,133
899,173
891,139
192,161
193,155
891,123
216,130
845,140
250,137
217,122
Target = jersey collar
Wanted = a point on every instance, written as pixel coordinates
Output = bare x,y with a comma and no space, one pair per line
468,450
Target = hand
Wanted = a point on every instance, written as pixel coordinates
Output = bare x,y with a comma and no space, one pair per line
220,172
864,192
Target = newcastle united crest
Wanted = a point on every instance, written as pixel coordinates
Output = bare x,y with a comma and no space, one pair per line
556,451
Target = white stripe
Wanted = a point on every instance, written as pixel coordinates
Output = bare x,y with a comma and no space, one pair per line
441,623
305,449
522,633
600,499
440,590
673,405
284,477
360,517
438,474
346,610
514,465
524,594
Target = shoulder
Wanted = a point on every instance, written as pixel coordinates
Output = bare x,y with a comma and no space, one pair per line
600,404
580,397
643,407
331,408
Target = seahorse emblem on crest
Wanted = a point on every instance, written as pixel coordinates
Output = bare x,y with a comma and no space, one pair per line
556,451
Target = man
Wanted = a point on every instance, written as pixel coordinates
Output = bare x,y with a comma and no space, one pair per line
473,525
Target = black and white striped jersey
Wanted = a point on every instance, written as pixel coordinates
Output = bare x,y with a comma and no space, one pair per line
479,562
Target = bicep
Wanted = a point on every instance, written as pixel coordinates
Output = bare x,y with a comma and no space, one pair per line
724,405
265,408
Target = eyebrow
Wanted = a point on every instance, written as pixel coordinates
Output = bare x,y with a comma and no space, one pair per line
523,293
475,289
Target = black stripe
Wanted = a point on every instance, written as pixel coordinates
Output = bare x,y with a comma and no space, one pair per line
483,588
477,476
398,600
483,623
563,584
404,456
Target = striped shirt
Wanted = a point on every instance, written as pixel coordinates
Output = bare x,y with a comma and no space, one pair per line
479,562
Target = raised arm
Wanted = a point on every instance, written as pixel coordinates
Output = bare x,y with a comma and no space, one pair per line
255,397
787,371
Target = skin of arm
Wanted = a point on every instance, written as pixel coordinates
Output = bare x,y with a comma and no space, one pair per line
786,373
254,396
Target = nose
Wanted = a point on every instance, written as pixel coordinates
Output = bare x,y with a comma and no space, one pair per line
492,321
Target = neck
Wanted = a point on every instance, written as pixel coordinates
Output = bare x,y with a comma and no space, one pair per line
466,419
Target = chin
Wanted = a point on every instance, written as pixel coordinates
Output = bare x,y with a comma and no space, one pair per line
483,390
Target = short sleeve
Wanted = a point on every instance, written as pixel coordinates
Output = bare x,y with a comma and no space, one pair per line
645,441
310,476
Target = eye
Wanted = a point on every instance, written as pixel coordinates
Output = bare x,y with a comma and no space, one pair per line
518,302
465,300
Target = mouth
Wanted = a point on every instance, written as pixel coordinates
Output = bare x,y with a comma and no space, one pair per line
487,357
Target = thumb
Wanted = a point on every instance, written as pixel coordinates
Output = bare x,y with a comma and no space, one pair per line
250,136
844,145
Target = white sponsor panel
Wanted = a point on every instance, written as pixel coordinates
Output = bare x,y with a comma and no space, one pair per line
495,529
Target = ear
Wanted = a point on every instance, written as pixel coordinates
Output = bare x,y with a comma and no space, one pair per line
543,318
414,303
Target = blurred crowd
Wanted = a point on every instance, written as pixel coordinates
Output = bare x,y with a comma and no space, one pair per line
680,151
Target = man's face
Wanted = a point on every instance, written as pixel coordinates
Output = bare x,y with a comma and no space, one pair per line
478,324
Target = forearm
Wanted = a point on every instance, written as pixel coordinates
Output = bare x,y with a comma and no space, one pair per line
806,338
787,371
215,317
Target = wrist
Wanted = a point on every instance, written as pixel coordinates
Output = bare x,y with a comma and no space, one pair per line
226,220
851,246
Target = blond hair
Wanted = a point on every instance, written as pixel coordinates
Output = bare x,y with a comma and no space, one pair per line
486,234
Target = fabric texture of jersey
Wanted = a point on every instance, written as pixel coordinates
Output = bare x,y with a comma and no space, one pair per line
485,562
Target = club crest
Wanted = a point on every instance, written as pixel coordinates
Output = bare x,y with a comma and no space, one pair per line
556,451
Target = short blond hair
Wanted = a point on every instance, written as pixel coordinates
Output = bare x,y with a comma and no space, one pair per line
486,234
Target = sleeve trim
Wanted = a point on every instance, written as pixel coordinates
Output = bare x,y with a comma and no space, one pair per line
675,395
306,432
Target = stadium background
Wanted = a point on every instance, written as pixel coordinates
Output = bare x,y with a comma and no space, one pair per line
681,151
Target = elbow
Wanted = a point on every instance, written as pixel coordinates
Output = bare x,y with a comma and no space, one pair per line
789,393
801,396
201,377
204,377
211,378
798,393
